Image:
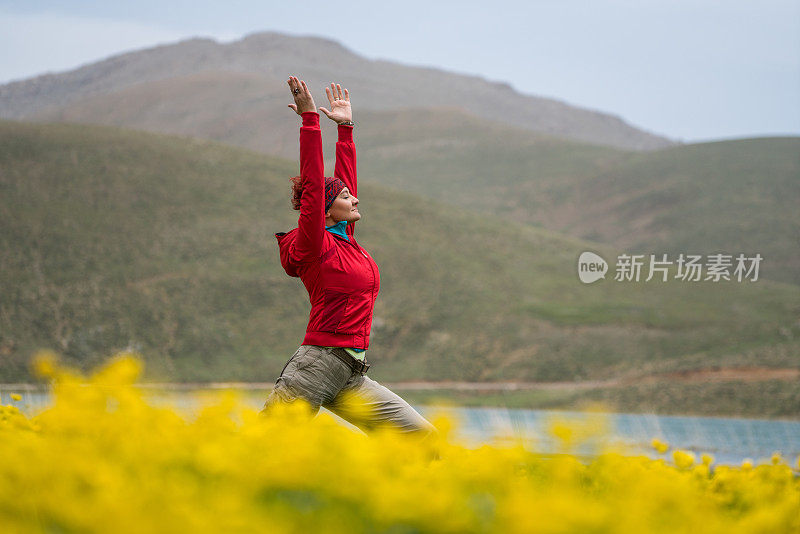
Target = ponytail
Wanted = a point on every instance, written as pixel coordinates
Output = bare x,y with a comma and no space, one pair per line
297,191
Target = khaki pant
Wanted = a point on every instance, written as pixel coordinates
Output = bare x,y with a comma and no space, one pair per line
316,375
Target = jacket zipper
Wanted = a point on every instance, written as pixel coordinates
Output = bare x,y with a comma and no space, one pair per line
351,243
371,268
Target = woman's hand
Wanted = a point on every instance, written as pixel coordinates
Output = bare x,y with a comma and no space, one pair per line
303,101
340,104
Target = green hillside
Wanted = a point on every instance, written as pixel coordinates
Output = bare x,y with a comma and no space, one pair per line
115,239
732,196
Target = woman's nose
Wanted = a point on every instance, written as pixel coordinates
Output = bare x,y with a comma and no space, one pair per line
355,201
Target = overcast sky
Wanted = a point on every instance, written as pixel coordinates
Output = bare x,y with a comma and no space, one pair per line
691,70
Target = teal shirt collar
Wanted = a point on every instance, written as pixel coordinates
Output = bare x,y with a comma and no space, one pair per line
338,229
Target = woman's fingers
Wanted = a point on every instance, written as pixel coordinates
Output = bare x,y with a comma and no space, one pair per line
294,86
335,93
336,89
303,101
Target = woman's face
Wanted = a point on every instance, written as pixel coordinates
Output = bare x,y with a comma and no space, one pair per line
344,208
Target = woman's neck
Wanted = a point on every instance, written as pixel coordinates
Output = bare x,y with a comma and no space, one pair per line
339,229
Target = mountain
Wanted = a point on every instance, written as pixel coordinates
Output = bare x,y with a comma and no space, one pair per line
119,239
207,89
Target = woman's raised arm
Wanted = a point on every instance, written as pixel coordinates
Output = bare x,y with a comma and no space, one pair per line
311,223
341,112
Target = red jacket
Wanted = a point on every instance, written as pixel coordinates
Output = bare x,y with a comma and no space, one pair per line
341,278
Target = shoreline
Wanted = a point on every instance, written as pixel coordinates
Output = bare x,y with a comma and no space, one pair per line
694,376
537,396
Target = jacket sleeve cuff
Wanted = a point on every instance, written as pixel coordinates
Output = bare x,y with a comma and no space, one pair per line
310,118
345,133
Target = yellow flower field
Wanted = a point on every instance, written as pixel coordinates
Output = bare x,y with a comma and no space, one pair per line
103,459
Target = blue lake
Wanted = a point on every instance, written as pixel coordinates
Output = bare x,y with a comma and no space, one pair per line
729,440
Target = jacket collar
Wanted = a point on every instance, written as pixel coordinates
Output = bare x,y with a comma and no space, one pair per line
338,229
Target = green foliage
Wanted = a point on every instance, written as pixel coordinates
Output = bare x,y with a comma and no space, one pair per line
730,196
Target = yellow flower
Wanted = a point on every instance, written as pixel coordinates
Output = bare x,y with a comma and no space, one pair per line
683,459
45,363
563,432
103,454
16,396
659,445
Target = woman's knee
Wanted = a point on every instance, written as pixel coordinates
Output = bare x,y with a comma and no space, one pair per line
426,430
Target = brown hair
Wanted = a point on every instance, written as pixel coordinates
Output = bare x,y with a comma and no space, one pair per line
297,191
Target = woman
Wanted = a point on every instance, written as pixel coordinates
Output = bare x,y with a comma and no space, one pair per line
329,369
